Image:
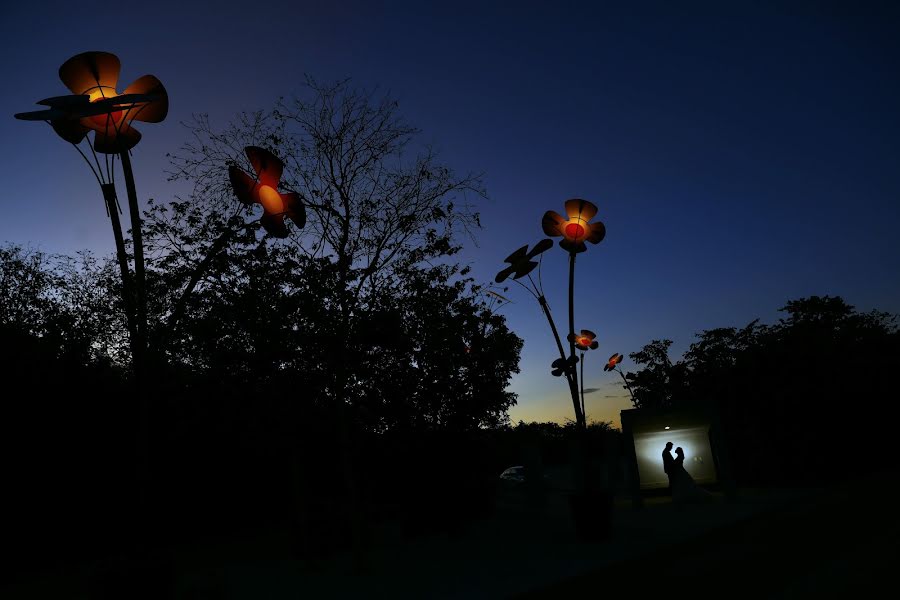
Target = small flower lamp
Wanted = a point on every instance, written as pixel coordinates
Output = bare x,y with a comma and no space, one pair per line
263,190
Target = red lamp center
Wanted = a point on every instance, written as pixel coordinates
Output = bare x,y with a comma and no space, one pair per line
108,120
271,200
574,231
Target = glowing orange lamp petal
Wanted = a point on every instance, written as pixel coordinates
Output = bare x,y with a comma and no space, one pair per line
552,223
577,208
86,72
294,208
268,167
114,142
155,110
242,184
598,232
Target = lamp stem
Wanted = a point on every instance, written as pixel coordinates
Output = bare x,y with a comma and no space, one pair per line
109,196
627,385
583,411
579,414
546,309
138,240
562,353
139,353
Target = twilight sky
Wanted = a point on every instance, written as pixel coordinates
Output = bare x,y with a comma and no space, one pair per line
739,159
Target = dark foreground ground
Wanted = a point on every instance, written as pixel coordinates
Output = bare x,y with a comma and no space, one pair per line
789,543
842,542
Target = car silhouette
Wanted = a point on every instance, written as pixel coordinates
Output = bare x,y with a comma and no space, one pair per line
513,475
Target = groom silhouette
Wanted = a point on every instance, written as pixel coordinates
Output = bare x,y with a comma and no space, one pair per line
668,463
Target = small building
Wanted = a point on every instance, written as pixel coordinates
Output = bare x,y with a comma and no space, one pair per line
695,430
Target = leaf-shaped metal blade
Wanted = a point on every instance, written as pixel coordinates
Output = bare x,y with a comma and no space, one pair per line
518,255
47,114
524,268
542,246
67,101
502,275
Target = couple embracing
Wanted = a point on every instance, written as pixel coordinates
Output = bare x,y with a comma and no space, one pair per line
681,484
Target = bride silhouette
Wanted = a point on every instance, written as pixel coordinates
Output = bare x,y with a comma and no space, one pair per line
684,488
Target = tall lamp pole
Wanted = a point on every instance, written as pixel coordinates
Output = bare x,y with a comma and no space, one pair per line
96,107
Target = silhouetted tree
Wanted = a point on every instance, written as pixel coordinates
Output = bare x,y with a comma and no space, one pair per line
660,383
361,317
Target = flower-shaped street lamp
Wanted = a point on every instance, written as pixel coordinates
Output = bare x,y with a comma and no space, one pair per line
584,341
575,228
98,107
613,365
96,74
613,361
263,190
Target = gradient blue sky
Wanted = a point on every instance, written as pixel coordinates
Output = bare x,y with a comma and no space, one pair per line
740,157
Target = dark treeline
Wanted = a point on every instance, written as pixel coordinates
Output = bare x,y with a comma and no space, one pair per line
245,432
239,445
806,399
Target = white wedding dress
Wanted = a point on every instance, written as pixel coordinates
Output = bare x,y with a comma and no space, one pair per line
684,488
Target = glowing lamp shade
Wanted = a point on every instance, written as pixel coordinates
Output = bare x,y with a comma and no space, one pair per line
614,360
575,228
263,190
97,106
584,340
